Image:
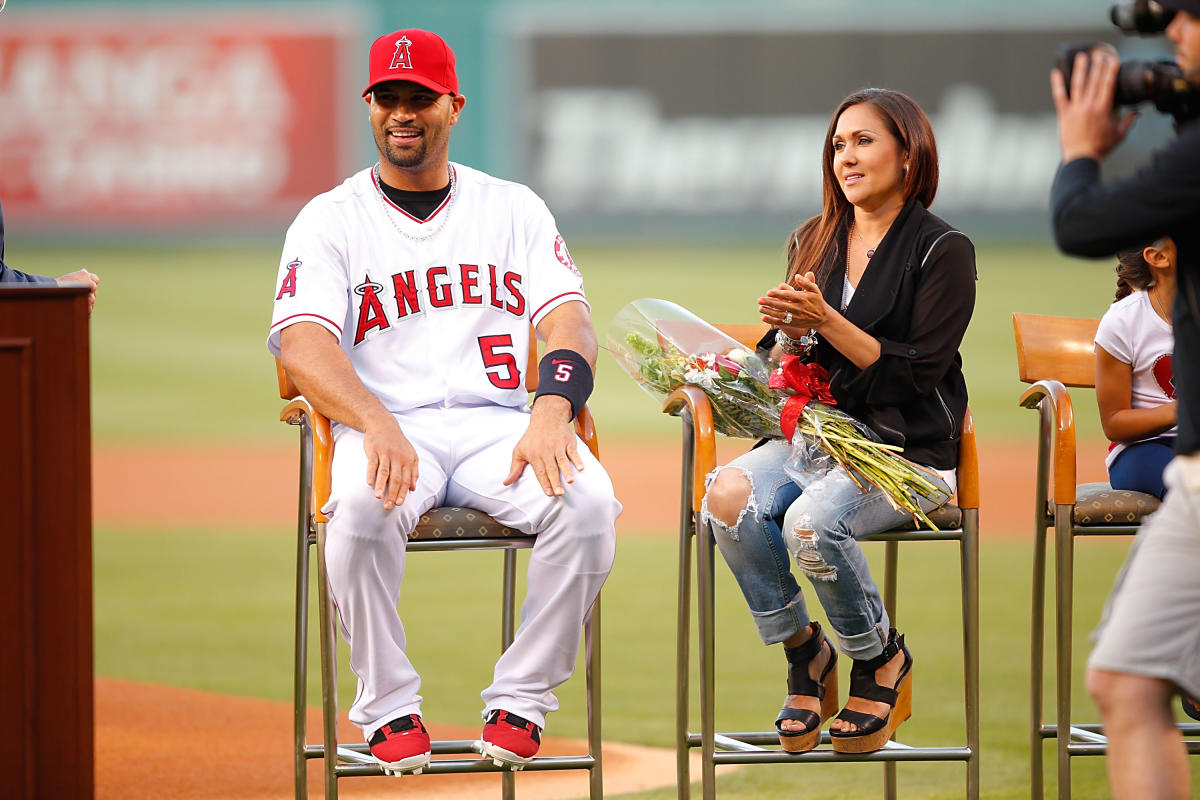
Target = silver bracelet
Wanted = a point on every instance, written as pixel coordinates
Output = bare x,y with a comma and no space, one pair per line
796,347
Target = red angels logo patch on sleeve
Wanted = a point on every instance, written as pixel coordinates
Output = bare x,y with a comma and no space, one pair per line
564,256
288,287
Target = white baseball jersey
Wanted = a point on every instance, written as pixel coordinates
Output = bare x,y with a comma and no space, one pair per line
432,312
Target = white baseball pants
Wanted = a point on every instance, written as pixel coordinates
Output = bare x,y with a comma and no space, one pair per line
464,455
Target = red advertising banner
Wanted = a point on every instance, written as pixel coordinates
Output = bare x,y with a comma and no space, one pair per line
144,119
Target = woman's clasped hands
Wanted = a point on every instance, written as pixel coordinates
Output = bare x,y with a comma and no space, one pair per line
795,307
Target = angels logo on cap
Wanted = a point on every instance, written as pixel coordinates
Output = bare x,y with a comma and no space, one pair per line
412,55
402,59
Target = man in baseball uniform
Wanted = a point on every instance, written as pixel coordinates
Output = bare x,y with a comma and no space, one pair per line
402,312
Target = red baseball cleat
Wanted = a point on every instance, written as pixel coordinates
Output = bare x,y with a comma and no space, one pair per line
401,745
509,740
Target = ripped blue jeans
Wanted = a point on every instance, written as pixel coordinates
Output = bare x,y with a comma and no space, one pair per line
817,530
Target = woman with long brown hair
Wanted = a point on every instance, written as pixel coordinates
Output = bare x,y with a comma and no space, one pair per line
879,291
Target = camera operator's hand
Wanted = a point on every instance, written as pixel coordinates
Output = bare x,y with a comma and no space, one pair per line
1088,126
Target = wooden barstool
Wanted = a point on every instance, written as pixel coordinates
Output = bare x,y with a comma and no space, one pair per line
1054,353
440,529
955,522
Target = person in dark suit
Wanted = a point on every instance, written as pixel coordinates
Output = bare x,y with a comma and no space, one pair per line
878,291
10,275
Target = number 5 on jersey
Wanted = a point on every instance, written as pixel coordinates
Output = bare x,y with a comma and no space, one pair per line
501,367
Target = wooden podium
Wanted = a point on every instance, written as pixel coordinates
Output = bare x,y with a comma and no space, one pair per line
46,684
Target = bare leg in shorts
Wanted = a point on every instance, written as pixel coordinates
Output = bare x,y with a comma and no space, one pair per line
1148,647
1146,757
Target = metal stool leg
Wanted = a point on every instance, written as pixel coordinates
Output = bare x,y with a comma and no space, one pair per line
508,782
683,625
300,686
1064,587
328,669
890,577
591,640
970,589
300,666
1037,663
1038,607
705,607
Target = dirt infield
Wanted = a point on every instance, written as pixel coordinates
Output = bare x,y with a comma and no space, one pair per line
155,742
253,487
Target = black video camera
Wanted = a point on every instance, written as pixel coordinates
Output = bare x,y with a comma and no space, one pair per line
1159,82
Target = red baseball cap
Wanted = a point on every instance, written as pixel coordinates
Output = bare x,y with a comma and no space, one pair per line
412,55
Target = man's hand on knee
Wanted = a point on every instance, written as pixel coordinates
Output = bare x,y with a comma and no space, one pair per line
549,446
391,461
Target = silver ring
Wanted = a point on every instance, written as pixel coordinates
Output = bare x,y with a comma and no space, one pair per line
787,318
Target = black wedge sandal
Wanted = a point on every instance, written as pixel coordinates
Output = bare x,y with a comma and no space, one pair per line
1191,706
799,682
873,732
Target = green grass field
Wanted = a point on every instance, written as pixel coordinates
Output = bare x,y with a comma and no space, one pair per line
178,356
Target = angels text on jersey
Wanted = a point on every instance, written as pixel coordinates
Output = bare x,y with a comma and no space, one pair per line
410,293
414,291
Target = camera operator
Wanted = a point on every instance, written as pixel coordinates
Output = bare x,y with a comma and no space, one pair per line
1148,644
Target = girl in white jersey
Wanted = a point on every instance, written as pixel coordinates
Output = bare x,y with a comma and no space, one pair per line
1134,379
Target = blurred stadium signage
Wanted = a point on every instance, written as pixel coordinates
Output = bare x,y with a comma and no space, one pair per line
720,121
143,118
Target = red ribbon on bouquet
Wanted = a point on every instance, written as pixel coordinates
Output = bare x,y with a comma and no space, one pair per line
807,382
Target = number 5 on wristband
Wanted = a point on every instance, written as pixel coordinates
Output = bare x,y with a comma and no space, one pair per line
567,374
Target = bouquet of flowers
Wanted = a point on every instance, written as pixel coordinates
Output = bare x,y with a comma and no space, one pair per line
663,346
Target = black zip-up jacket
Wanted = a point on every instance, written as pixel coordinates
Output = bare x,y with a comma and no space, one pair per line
916,297
1162,198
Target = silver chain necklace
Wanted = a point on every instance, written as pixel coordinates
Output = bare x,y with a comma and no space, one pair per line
426,229
856,235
